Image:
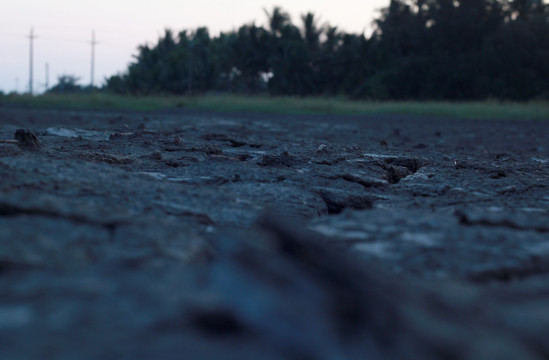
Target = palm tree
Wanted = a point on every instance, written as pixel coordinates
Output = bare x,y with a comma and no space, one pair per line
277,20
311,31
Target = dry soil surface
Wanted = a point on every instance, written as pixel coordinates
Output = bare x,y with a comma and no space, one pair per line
200,235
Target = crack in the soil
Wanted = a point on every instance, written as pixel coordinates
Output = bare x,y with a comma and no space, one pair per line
507,274
465,219
336,204
10,210
365,181
8,266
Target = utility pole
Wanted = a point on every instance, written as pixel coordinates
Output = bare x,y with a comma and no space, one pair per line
31,38
47,76
190,68
93,43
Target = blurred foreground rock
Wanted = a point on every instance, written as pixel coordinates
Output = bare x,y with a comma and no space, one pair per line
304,299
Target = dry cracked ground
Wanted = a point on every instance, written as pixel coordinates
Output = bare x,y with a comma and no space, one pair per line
198,235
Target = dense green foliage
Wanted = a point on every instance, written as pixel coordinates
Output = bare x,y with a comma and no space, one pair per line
420,49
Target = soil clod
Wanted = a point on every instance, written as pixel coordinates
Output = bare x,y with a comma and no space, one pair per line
25,139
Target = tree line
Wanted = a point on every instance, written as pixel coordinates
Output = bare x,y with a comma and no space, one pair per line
419,49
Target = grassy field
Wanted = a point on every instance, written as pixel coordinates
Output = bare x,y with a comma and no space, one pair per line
285,105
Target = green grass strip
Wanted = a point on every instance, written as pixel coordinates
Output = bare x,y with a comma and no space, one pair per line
285,105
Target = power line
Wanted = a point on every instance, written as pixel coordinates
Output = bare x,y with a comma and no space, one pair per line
31,36
13,35
56,38
67,39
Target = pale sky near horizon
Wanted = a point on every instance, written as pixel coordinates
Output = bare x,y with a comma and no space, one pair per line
63,29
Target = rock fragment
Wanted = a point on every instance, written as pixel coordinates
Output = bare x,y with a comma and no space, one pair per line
336,202
25,139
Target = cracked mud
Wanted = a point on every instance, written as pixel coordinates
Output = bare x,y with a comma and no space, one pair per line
204,235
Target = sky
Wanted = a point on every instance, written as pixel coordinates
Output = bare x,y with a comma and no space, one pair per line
63,30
